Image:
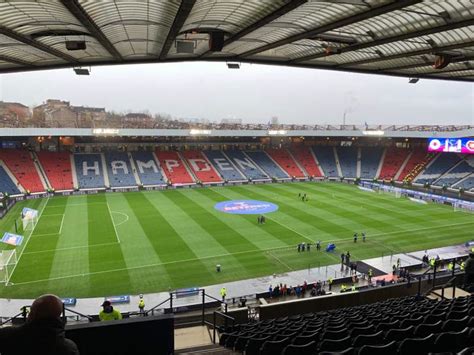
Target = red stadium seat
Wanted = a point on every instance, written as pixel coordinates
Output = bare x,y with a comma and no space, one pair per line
286,162
201,166
174,168
57,166
21,165
306,159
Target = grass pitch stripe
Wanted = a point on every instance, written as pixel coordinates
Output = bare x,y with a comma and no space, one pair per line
26,242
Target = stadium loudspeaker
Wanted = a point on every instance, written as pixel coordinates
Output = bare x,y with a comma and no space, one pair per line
216,41
75,45
441,61
186,47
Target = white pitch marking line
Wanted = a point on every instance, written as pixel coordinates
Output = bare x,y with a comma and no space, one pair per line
26,243
113,223
61,226
123,214
279,260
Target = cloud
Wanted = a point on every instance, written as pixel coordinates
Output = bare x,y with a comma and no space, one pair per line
254,93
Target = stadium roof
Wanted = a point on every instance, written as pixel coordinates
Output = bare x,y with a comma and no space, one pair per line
399,38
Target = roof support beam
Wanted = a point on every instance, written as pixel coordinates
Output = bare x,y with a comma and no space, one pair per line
394,5
79,13
396,38
420,65
36,44
288,7
434,50
7,58
179,19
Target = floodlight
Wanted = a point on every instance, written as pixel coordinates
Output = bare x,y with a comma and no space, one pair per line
233,65
81,71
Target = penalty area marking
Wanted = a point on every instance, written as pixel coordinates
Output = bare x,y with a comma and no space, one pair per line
123,214
70,248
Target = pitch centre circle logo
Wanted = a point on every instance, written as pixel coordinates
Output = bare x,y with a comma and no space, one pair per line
246,207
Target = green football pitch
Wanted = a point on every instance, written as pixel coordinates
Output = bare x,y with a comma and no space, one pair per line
140,242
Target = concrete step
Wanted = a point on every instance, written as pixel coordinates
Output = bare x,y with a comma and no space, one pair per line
208,349
448,293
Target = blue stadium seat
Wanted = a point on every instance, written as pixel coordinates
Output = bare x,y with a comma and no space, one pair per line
327,161
246,165
6,184
148,169
223,165
119,169
89,171
370,161
442,164
348,161
267,164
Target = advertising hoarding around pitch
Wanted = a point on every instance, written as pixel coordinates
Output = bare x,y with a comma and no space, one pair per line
451,145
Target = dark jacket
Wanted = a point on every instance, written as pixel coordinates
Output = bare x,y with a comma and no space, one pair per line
45,337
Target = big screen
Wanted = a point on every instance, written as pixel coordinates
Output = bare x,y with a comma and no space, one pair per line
451,145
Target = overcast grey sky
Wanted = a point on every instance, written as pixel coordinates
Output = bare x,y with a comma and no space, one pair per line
254,93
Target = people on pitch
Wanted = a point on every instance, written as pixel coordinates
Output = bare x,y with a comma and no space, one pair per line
318,245
363,237
108,312
355,237
43,332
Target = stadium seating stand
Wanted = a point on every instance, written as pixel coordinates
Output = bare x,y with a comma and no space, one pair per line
283,158
174,168
57,166
23,168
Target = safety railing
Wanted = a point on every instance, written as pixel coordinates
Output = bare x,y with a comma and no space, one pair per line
214,322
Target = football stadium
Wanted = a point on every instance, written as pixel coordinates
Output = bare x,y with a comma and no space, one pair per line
134,233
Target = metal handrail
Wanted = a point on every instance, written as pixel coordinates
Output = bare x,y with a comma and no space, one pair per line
152,310
12,318
225,316
91,319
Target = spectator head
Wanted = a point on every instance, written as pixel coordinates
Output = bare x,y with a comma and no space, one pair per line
107,307
46,307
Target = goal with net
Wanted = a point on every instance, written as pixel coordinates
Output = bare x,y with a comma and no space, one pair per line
29,218
8,261
463,206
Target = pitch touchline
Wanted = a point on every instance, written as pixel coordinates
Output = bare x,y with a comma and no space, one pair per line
188,260
113,223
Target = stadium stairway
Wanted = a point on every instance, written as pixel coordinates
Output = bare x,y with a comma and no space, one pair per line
57,167
327,160
267,164
393,162
21,164
417,162
245,165
307,160
119,170
148,169
201,167
284,159
174,168
224,166
89,170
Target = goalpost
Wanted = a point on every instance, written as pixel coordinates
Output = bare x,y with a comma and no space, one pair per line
8,260
29,218
389,190
463,206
